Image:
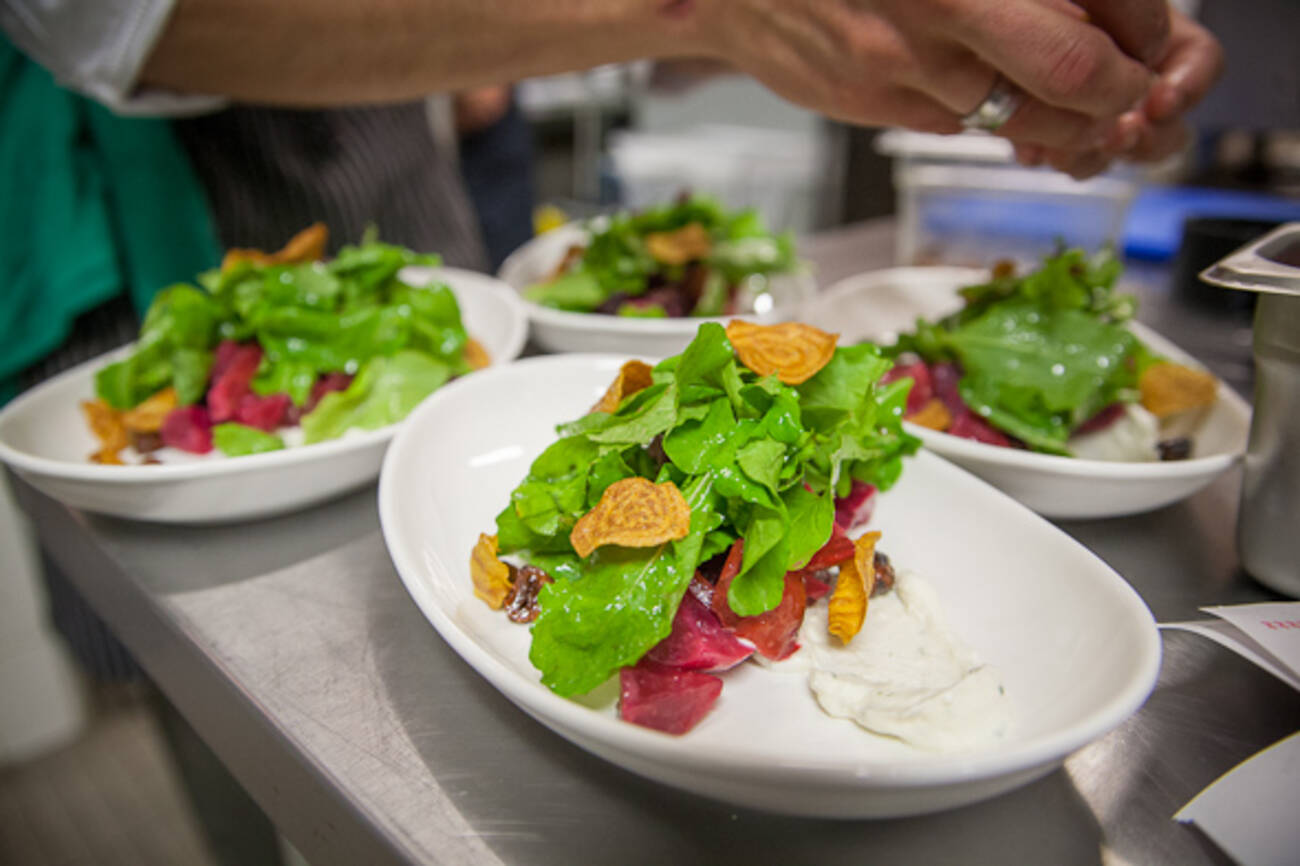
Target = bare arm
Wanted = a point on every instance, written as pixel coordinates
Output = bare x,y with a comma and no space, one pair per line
335,52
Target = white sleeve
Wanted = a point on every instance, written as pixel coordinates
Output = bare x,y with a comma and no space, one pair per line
97,48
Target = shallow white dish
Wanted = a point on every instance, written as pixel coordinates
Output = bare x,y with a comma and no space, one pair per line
878,305
1077,648
44,437
562,331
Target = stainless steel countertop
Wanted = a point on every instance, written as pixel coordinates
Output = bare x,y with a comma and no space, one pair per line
292,647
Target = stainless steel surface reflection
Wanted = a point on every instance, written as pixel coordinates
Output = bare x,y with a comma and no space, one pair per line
293,648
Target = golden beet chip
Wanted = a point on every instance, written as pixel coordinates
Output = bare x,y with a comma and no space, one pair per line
1168,388
791,350
106,423
686,244
491,576
933,414
633,512
848,604
306,246
476,354
148,416
632,377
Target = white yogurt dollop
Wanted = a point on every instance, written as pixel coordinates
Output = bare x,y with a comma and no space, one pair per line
905,674
1131,438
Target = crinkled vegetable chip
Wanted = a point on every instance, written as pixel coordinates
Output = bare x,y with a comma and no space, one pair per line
491,576
848,604
632,377
791,350
306,246
1168,388
633,512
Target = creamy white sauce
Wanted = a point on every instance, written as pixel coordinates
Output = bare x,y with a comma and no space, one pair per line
905,674
1132,438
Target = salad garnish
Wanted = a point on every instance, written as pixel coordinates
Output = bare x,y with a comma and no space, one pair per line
276,341
686,526
1032,360
688,258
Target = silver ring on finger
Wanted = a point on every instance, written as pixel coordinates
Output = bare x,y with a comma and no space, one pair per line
997,108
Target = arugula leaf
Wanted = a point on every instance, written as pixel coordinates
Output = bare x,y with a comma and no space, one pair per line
383,393
237,440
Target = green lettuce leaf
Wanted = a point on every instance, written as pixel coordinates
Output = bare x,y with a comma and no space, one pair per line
383,393
237,440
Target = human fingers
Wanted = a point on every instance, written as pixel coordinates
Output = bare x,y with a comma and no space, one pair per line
1079,166
1193,64
1055,57
1159,140
1141,28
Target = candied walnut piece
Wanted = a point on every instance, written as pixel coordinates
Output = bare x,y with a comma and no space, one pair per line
146,443
1179,448
933,414
688,243
106,423
633,512
1168,388
491,576
148,416
476,354
306,246
791,350
848,604
525,584
632,377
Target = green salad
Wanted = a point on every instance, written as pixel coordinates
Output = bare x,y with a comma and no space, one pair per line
264,345
757,460
689,258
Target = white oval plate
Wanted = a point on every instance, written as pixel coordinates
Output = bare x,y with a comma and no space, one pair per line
562,331
878,305
44,437
1077,648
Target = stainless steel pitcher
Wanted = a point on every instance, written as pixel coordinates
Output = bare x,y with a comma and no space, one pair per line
1268,523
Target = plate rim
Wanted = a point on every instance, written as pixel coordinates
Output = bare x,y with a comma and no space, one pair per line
67,470
572,719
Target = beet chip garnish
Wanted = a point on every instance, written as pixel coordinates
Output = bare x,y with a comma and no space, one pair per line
666,699
188,428
237,368
698,642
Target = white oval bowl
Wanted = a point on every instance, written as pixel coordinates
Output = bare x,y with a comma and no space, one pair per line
44,438
878,305
563,331
1077,648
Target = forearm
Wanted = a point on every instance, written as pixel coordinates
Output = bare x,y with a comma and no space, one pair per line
333,52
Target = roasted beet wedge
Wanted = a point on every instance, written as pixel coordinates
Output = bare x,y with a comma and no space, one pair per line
666,699
698,642
922,388
233,383
856,508
265,413
774,633
188,428
968,425
943,379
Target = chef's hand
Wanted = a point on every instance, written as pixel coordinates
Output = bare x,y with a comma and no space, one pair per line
924,64
1157,127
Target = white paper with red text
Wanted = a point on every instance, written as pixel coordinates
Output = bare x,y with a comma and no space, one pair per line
1267,634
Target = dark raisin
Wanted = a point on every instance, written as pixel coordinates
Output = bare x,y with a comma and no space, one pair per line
146,443
1179,448
521,602
884,574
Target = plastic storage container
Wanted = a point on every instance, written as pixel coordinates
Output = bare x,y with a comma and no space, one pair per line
963,200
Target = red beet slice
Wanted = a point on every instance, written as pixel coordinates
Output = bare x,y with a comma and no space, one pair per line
233,383
943,379
698,642
188,428
664,698
814,587
922,388
221,358
773,633
968,425
265,413
856,508
1102,419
